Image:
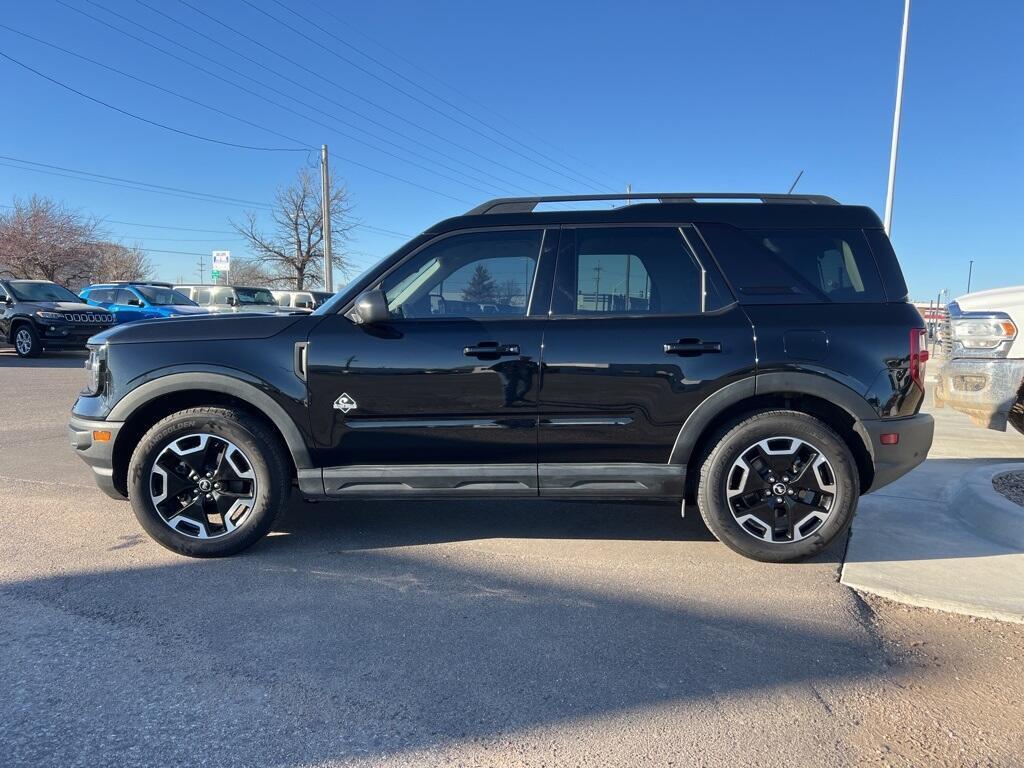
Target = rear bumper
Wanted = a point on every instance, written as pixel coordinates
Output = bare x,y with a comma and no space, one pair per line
99,455
892,462
984,389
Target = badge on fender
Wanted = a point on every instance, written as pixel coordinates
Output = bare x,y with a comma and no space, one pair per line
345,403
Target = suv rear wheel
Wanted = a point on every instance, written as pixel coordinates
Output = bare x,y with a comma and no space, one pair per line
208,482
26,341
778,486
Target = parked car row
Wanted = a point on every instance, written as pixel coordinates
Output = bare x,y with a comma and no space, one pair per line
41,314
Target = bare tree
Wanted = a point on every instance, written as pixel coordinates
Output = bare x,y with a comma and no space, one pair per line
292,249
42,239
250,272
120,262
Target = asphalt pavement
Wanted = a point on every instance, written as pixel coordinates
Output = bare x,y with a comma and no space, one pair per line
461,633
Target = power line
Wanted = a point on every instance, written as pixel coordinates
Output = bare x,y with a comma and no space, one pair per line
394,87
222,46
139,185
307,147
418,66
134,116
340,87
103,220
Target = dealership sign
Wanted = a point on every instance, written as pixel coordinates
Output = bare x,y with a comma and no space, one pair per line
222,261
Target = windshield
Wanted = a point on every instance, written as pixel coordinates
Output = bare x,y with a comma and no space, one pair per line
254,296
29,291
164,297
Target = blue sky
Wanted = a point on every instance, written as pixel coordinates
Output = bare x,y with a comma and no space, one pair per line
550,97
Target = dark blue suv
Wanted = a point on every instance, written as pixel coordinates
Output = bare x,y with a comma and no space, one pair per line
140,301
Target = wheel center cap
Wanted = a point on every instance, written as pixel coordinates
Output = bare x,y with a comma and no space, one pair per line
779,489
205,485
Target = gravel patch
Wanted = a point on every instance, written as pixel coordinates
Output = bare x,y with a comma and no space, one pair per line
1011,485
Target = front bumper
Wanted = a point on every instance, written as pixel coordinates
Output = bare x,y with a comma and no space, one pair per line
894,461
67,335
99,455
984,389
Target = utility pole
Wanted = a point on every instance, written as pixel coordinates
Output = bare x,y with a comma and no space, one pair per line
202,269
970,271
325,194
891,189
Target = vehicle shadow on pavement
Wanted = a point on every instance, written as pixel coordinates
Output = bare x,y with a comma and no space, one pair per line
74,359
288,657
402,523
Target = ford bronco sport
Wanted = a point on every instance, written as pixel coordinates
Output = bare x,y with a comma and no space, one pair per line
753,354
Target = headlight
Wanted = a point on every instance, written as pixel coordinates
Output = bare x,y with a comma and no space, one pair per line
42,313
96,366
982,331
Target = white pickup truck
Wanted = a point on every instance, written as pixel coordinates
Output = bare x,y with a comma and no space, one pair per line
983,375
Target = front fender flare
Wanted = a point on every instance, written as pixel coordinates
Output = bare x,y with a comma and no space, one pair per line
217,382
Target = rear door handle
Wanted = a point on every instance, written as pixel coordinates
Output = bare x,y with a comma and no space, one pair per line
692,347
491,350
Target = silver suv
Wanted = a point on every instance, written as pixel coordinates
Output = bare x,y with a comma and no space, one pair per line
233,298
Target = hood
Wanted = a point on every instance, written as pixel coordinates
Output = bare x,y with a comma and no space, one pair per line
220,327
184,309
994,300
66,306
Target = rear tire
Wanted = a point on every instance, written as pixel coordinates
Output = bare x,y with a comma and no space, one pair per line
26,341
208,482
778,486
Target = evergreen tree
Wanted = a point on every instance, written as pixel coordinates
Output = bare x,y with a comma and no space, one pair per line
481,287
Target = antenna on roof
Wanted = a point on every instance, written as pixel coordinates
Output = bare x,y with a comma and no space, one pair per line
795,182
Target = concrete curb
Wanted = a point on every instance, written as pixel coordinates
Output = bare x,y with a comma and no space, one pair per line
985,511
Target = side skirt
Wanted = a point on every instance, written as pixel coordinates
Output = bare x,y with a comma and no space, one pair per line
611,481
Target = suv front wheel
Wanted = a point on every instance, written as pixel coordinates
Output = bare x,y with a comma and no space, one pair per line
26,341
208,482
778,486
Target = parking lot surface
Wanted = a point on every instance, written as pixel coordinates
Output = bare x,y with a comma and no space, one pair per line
426,633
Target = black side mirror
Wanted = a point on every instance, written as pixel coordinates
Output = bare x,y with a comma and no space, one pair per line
232,301
7,300
370,307
135,302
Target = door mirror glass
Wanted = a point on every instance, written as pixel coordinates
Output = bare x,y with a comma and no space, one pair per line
370,307
135,302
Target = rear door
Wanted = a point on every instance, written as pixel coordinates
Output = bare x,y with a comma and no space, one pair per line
641,330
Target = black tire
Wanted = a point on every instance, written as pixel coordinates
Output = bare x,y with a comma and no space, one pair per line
720,475
26,341
261,450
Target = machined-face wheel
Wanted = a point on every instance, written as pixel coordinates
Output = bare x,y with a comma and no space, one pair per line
23,341
203,486
781,489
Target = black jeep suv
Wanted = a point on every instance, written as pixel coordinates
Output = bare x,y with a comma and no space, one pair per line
756,356
39,314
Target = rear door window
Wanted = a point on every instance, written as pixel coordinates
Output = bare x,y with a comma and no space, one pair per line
773,265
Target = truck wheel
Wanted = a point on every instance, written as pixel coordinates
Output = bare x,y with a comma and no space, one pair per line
778,486
208,482
26,341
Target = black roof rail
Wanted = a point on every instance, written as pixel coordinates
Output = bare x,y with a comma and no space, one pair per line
527,204
157,283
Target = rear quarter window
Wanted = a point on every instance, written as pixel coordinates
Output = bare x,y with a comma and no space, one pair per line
774,266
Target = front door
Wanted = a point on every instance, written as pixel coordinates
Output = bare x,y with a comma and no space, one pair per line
642,329
442,398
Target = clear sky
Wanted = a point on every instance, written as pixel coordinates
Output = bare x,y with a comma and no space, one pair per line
535,96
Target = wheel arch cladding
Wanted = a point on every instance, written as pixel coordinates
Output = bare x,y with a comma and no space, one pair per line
146,405
829,403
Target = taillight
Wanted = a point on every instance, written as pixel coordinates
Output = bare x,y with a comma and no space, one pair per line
918,355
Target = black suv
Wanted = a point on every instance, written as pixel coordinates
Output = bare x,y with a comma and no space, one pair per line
39,314
757,357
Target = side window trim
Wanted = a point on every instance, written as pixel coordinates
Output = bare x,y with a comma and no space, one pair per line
538,279
567,261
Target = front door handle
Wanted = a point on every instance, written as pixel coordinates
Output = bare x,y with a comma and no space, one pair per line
491,350
692,347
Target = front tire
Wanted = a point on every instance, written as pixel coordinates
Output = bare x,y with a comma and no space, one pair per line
778,486
26,341
208,482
